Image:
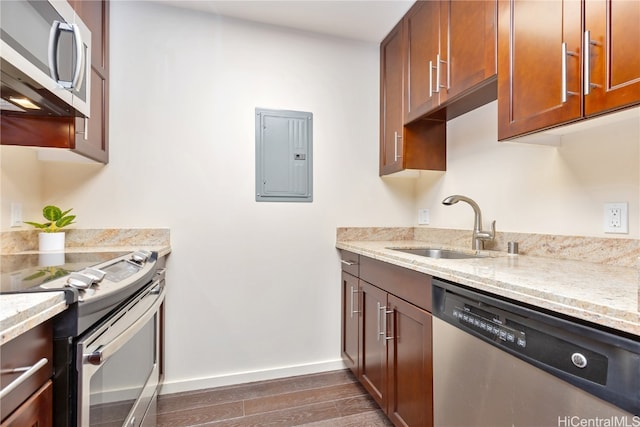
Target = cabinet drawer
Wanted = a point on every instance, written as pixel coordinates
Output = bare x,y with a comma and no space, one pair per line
23,352
409,285
37,411
350,262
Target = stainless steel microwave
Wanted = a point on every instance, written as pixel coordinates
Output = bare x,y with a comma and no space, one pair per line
45,53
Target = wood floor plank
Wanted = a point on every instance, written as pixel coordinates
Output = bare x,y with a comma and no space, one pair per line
325,399
373,418
201,415
295,416
303,397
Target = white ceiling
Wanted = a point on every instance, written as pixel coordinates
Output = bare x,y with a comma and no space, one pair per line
367,20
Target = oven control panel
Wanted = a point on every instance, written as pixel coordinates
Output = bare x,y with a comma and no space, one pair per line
120,270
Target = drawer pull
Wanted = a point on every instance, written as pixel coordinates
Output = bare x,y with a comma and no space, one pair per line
345,262
28,371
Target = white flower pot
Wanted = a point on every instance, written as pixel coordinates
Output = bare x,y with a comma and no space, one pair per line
51,241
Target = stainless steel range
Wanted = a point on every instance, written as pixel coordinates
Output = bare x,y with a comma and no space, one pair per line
107,343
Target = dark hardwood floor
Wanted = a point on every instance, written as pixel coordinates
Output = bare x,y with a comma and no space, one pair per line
329,399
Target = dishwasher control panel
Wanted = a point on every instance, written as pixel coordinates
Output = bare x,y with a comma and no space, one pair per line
490,326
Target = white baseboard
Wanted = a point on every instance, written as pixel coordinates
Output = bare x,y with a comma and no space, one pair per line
190,384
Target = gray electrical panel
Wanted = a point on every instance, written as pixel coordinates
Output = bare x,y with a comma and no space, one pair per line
284,170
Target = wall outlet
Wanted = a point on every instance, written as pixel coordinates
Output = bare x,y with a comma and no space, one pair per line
423,216
616,218
16,215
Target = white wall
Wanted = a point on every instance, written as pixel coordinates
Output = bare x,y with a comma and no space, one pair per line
253,286
536,188
20,182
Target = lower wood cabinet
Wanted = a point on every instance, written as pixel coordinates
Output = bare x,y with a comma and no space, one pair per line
27,368
350,321
386,338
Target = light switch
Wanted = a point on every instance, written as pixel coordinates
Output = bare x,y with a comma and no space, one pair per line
16,215
423,216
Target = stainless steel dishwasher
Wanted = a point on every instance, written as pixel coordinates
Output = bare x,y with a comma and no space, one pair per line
498,363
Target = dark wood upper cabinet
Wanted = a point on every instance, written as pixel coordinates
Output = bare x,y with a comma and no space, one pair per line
472,56
614,54
451,50
391,113
425,61
542,66
437,63
87,137
92,135
420,145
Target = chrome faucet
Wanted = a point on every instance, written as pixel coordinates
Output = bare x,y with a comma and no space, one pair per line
479,236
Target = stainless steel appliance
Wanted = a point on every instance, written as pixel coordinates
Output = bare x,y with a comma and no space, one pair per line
45,51
107,343
500,363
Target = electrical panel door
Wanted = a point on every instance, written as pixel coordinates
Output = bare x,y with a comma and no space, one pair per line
284,156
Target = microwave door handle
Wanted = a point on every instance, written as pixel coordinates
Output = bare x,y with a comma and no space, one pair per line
103,353
78,73
54,38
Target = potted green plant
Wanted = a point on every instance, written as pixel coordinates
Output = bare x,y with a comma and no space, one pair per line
51,238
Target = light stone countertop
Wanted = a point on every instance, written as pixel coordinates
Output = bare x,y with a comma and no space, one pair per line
21,312
606,295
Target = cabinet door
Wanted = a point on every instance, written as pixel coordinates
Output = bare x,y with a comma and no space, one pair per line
373,348
422,37
350,321
530,65
391,117
472,44
613,66
91,135
410,365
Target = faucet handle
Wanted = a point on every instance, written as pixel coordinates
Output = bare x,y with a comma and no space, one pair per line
487,235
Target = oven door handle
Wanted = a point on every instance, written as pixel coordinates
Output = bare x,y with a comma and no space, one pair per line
103,353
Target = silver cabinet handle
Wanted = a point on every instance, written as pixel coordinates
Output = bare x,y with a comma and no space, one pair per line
437,89
28,371
380,308
430,79
386,313
86,128
345,262
437,68
564,72
587,43
353,291
396,136
438,85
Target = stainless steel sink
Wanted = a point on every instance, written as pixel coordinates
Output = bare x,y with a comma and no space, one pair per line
439,253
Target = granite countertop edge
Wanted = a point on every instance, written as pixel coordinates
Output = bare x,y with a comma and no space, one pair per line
22,312
605,295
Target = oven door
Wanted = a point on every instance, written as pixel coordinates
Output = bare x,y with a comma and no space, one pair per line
118,364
